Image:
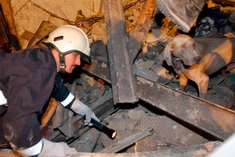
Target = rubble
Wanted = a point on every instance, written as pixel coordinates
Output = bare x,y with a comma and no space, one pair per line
146,65
180,122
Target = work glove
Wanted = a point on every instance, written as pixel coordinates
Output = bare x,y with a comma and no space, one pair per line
82,109
56,149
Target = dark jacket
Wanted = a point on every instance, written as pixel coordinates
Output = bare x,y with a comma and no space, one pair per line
27,79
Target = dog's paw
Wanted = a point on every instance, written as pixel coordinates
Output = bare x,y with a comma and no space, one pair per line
164,75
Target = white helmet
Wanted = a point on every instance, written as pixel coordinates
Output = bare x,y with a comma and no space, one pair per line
69,38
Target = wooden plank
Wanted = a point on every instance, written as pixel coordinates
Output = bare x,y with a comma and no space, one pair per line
120,145
44,29
8,13
123,81
204,115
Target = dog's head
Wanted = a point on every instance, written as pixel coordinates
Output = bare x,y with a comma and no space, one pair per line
182,47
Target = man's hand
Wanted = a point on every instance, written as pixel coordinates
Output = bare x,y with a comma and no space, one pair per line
56,149
46,148
82,109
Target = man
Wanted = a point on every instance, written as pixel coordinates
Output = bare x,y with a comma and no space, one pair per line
28,78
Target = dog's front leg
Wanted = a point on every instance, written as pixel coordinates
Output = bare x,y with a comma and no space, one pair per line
183,80
200,78
203,85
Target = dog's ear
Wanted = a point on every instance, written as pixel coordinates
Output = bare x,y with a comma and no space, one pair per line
167,53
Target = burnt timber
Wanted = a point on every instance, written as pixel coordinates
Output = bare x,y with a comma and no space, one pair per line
123,82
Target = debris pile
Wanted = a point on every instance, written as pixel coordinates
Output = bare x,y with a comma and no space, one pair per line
159,118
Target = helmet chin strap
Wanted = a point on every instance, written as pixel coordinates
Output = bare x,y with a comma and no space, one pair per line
62,63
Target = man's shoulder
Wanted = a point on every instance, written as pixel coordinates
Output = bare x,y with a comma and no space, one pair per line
38,58
37,49
40,52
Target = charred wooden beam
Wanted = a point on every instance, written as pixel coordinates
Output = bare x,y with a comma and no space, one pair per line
204,115
126,142
123,81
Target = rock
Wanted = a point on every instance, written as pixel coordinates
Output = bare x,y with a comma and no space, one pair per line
136,114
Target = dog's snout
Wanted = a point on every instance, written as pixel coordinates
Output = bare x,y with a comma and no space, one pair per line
197,59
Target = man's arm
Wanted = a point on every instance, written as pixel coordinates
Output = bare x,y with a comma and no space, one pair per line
62,94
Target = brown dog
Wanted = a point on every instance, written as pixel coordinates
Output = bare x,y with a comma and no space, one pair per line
197,58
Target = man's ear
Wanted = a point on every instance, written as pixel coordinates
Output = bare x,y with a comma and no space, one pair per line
167,53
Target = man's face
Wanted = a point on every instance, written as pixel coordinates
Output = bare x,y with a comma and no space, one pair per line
71,61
